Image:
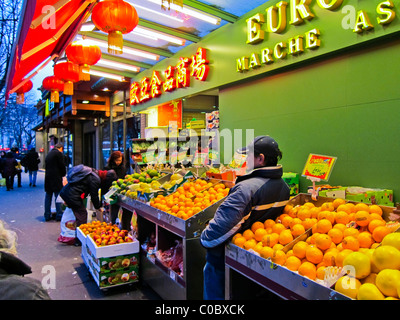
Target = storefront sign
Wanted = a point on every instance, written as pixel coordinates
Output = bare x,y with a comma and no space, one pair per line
175,77
318,167
281,18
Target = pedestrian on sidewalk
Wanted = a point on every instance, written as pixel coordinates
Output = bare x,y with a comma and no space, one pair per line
13,283
18,168
9,165
53,181
31,163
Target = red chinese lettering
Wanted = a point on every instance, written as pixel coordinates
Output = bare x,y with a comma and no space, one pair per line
134,93
183,74
169,84
145,90
199,65
155,85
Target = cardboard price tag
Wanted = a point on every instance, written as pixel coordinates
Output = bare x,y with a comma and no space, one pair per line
318,167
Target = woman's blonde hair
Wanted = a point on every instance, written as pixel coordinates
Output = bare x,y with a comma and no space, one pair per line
8,239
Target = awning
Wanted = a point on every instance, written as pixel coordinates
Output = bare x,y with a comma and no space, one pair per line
45,30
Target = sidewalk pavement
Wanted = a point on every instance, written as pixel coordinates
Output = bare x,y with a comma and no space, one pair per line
22,209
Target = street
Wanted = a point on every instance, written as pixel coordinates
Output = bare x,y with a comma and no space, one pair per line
22,210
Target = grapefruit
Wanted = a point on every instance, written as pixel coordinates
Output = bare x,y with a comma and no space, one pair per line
392,239
386,257
369,291
387,282
348,286
360,262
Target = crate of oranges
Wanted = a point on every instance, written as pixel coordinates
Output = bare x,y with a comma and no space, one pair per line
311,236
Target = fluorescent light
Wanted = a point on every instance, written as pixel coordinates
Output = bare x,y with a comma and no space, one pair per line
106,75
158,13
85,101
133,52
192,12
158,35
118,65
87,26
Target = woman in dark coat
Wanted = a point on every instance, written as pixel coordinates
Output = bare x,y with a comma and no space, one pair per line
9,170
31,163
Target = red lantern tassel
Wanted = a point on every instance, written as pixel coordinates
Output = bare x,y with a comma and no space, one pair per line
54,96
20,98
115,42
84,74
68,88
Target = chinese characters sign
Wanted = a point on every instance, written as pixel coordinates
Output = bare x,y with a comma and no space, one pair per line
318,166
174,77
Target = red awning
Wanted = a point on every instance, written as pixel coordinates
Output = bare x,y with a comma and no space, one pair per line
46,29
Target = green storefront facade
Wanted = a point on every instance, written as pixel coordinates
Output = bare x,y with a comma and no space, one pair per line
321,80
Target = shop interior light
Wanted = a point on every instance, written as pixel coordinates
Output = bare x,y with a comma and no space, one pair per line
156,12
107,75
158,35
85,101
133,52
87,26
118,65
192,12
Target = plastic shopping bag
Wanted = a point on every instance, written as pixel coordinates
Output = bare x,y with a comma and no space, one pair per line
68,227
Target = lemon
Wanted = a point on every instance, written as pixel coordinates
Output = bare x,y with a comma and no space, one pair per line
348,286
386,257
369,291
392,239
369,253
387,282
360,262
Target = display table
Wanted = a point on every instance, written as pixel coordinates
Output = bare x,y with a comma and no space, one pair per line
275,278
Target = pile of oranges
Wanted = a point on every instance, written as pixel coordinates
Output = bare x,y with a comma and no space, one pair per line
190,198
333,230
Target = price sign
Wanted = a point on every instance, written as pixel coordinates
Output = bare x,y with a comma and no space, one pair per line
318,167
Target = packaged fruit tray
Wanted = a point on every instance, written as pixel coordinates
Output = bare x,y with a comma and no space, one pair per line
184,226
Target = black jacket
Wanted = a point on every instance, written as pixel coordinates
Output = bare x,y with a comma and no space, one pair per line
119,170
55,171
31,161
82,181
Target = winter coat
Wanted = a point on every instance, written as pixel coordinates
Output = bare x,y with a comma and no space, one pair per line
13,284
82,181
119,170
260,195
55,171
31,161
9,164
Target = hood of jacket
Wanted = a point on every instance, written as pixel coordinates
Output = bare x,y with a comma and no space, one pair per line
78,173
10,264
275,172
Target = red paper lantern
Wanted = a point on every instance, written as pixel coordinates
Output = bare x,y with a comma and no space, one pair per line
26,87
69,73
54,85
85,56
115,17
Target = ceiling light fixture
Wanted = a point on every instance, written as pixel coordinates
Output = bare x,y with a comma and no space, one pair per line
158,35
157,12
107,75
118,65
192,12
87,26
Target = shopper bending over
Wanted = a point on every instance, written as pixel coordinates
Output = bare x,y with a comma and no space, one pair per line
259,195
84,181
13,284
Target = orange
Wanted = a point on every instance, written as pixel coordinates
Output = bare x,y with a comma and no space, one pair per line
307,269
256,225
375,209
237,235
278,257
248,234
314,212
351,206
293,263
336,235
285,237
278,228
343,207
342,217
351,232
321,272
329,215
314,255
341,255
365,239
259,234
375,223
286,221
323,241
249,244
299,249
287,208
308,223
337,202
375,216
340,226
323,226
328,206
309,205
269,223
379,233
266,252
313,237
330,257
270,240
278,246
303,214
361,207
351,243
239,241
295,221
297,230
362,218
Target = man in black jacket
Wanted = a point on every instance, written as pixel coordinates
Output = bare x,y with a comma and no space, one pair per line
259,195
53,180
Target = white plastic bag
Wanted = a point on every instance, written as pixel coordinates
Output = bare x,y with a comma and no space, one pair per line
68,227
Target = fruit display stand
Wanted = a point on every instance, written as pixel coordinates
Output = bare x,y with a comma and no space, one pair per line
168,230
245,269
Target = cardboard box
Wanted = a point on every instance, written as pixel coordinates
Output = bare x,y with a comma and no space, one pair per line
112,250
229,175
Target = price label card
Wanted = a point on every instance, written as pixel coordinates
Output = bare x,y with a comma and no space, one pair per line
318,167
